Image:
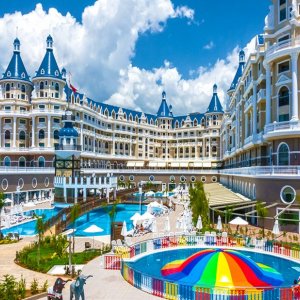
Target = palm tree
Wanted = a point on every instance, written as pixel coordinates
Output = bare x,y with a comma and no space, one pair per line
2,203
262,212
228,214
74,214
40,229
199,203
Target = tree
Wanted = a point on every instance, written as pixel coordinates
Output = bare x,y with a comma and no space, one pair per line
199,204
227,214
2,203
74,214
40,229
262,213
149,186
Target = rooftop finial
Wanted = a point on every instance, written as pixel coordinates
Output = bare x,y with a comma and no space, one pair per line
49,42
215,88
242,56
164,95
17,45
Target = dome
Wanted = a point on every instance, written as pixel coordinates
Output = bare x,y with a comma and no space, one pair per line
68,130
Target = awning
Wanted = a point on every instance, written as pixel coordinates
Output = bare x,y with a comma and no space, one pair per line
174,164
198,164
207,165
135,164
152,164
161,164
184,165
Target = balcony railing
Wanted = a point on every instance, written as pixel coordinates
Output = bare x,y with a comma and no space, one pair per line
267,170
282,126
261,95
68,147
248,103
283,45
248,140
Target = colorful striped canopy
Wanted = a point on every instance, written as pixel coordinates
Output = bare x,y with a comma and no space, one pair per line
221,268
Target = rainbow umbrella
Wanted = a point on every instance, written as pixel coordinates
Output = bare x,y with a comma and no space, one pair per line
221,268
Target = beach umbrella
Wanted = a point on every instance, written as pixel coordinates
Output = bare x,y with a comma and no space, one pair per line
219,224
221,268
154,226
238,221
147,216
124,229
167,224
135,217
93,229
276,227
199,225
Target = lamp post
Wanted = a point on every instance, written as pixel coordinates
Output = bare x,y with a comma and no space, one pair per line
140,195
18,194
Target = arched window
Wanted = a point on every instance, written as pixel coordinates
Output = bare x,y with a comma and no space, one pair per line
56,90
106,145
22,136
22,162
56,134
41,134
126,147
283,154
195,122
41,85
283,104
7,87
41,162
7,135
7,161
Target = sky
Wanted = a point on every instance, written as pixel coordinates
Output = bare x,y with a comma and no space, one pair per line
126,52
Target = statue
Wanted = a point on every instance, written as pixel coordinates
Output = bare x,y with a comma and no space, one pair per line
77,287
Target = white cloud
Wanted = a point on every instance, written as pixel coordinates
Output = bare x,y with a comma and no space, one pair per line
209,46
98,52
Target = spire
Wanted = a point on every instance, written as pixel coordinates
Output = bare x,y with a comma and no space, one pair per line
239,71
215,105
16,69
164,110
49,67
17,45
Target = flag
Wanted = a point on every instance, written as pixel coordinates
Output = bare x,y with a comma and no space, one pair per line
73,88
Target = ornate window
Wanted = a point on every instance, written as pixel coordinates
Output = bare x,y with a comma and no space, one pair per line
288,194
41,162
151,178
131,177
283,155
7,161
4,184
22,136
283,104
22,162
41,134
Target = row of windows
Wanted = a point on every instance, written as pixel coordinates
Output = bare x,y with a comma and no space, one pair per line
22,162
22,135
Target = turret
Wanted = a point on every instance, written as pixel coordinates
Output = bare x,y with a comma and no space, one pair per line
15,82
49,81
239,72
164,114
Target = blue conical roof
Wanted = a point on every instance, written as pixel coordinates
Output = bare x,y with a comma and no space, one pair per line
68,130
239,71
215,105
164,110
49,67
16,69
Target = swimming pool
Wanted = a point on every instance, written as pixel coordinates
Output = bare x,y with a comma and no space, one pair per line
101,218
28,228
151,265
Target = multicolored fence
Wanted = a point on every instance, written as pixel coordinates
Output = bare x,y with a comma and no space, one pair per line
175,291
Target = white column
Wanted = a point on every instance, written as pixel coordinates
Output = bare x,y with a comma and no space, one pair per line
295,86
107,195
246,126
33,132
254,105
81,135
76,194
237,131
94,141
49,131
14,132
268,94
84,193
1,132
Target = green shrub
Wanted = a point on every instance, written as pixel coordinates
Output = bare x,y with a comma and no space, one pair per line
21,287
34,287
45,286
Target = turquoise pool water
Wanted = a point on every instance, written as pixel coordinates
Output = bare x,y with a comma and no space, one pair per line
101,218
28,228
152,264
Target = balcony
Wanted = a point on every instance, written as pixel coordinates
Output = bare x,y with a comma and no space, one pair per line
67,147
248,140
289,128
261,95
282,48
248,104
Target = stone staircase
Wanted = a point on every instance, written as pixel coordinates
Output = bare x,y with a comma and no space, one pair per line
220,195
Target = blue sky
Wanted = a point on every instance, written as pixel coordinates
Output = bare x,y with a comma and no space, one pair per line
188,43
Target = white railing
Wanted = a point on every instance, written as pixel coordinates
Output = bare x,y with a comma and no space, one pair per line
267,170
283,45
248,103
289,125
261,95
13,170
248,140
91,182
